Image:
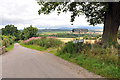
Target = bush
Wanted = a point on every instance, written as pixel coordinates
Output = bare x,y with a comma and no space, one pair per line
20,41
108,54
44,42
11,39
73,48
100,59
7,40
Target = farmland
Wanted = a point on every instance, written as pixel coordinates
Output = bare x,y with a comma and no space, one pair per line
66,35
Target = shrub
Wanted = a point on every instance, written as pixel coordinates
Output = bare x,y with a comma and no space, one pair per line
46,42
102,53
8,40
5,41
73,48
20,41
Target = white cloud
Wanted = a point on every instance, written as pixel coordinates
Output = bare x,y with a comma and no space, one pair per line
23,13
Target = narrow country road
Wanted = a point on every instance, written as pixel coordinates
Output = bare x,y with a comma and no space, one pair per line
22,62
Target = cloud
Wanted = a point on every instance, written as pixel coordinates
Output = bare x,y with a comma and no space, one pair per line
23,13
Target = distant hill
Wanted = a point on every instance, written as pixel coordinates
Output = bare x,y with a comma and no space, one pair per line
82,27
47,30
58,28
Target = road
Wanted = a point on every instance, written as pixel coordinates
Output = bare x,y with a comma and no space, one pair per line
22,62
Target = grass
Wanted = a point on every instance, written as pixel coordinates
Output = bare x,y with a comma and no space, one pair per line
9,48
35,47
92,65
54,52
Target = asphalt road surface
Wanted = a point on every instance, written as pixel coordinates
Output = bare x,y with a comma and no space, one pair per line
22,62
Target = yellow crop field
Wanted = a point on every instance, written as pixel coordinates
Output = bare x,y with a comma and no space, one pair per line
65,40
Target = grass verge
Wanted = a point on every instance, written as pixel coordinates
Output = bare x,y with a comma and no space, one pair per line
93,65
35,47
9,48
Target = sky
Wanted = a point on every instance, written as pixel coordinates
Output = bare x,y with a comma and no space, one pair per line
23,13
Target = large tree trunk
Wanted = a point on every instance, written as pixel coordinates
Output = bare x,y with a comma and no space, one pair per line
111,23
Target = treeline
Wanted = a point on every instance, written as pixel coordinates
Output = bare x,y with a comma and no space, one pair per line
70,35
49,30
119,34
10,35
11,30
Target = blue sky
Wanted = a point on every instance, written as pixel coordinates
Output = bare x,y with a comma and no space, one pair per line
23,13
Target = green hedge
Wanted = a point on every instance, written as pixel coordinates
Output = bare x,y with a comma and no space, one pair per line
47,43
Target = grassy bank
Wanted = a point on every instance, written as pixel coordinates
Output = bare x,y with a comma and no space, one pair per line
10,47
95,58
93,65
35,47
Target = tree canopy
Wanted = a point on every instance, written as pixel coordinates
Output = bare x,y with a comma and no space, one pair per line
29,32
11,30
94,11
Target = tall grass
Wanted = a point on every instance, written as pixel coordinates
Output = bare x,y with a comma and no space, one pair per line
99,59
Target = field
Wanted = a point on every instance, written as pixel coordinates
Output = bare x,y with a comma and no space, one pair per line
55,32
65,40
52,31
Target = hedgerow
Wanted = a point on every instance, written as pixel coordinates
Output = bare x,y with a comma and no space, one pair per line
45,42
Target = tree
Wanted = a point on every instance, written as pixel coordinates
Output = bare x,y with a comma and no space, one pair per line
85,37
119,34
95,12
29,32
11,30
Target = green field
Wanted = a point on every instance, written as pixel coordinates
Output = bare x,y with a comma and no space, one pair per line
53,32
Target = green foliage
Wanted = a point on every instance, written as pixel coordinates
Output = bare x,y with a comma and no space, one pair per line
29,32
73,48
94,11
11,30
5,41
47,43
85,37
8,40
10,47
93,64
20,41
96,58
70,35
